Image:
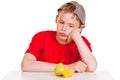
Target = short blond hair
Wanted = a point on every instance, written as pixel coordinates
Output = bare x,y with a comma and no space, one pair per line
75,8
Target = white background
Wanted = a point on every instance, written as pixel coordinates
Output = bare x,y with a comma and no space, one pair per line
21,19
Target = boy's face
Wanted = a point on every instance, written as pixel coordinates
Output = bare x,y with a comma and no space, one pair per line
66,23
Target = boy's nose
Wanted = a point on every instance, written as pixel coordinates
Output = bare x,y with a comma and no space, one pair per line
64,27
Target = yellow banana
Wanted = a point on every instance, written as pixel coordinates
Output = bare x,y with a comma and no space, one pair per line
68,73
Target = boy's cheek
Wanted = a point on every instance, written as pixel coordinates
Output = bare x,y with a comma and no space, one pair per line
69,36
68,39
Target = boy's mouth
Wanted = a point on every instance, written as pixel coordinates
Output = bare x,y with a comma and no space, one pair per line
63,34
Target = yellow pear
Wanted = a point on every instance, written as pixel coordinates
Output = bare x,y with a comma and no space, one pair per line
68,73
59,69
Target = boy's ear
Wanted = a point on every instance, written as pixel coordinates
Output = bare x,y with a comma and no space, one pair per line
56,18
82,26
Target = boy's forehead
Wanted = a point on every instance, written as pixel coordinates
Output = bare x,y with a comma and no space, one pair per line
67,15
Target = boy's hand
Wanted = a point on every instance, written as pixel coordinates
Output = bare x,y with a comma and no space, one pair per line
74,34
78,66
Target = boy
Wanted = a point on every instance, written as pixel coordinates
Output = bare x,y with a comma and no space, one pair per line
66,45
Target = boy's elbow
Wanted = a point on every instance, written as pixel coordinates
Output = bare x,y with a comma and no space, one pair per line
92,68
24,67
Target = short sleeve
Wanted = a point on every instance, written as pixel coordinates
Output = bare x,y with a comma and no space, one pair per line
36,45
87,43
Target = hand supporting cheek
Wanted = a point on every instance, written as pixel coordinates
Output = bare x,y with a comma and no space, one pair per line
75,34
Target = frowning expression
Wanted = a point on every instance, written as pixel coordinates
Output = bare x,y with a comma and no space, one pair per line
66,23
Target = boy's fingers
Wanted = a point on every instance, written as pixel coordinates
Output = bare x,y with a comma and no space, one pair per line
82,68
83,64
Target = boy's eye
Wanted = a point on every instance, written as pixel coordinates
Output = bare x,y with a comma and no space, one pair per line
71,26
61,22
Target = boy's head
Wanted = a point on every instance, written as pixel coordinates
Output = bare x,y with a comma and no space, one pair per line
75,8
70,16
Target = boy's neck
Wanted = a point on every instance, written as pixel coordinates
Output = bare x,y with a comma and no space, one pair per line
63,42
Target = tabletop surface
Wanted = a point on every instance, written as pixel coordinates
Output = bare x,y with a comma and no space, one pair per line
18,75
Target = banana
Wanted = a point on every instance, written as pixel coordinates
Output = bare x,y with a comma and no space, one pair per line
68,73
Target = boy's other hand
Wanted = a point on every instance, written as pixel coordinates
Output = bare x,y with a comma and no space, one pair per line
78,66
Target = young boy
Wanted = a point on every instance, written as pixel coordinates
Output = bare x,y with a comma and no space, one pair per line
66,45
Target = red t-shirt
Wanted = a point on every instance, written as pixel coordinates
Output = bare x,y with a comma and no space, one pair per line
45,47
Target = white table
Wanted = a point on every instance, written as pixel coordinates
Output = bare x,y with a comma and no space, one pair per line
18,75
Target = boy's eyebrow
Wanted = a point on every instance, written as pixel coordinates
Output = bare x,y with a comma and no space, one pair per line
71,24
61,19
68,23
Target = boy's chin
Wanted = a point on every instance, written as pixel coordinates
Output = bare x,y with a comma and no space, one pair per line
63,39
66,40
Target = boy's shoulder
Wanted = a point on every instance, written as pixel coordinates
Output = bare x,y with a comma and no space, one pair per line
46,32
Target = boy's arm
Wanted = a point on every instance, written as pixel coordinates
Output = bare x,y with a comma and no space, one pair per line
84,51
29,63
